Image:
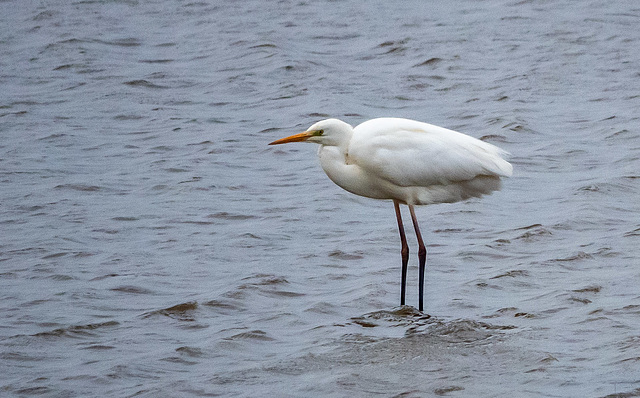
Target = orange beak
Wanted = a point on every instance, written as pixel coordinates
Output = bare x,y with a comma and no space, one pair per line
294,138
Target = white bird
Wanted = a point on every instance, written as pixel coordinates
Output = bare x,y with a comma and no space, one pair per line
409,162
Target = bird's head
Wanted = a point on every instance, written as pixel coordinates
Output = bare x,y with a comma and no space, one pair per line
332,132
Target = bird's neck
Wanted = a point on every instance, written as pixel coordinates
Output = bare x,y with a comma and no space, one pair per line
335,162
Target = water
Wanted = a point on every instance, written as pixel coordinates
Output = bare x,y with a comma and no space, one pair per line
152,244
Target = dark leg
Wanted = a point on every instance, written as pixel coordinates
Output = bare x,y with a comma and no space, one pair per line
422,256
404,251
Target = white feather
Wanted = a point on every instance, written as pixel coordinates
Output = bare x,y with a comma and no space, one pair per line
409,161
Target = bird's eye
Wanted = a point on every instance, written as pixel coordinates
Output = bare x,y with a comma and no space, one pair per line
318,132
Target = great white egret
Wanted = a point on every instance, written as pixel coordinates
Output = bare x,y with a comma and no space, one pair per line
409,162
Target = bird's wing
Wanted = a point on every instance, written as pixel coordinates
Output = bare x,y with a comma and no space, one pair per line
408,153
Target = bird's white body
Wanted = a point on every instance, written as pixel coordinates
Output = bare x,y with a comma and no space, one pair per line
413,162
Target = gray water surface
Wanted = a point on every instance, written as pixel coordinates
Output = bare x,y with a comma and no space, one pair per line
153,245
